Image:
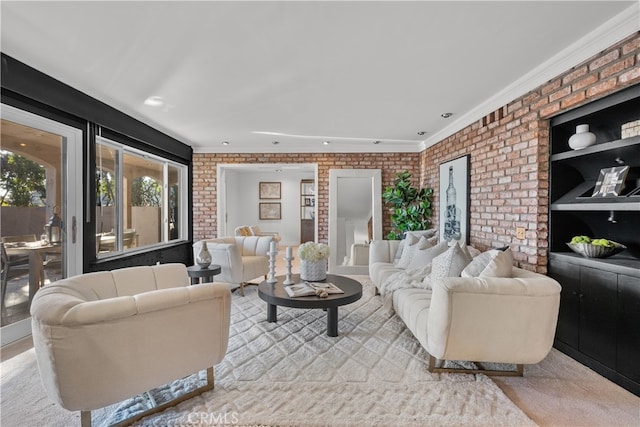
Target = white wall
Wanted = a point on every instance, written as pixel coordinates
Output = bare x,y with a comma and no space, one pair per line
243,199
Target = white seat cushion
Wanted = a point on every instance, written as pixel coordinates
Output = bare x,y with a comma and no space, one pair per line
412,305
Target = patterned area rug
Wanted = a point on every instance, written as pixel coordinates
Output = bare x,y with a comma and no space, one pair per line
290,373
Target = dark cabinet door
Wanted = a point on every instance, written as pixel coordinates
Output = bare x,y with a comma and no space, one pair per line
598,306
568,275
628,327
307,232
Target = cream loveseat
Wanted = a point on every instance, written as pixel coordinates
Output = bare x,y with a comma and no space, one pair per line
241,258
479,319
104,337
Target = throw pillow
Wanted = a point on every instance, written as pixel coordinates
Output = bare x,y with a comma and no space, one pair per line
450,263
492,263
419,233
245,231
424,256
410,246
398,254
465,249
473,251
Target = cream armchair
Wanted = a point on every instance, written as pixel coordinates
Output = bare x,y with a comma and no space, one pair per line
103,337
241,258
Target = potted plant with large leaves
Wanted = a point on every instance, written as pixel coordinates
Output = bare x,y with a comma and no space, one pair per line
412,206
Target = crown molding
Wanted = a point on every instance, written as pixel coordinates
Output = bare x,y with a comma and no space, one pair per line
334,147
611,32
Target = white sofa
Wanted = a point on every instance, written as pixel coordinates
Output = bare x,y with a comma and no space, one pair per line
480,319
241,258
254,230
103,337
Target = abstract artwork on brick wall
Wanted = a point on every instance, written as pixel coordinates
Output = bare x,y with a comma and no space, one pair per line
454,200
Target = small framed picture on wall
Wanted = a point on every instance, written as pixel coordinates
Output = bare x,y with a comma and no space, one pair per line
270,211
269,190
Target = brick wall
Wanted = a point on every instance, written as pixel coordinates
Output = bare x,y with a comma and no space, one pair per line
510,153
205,185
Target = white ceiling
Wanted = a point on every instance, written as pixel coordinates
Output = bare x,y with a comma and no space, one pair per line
347,72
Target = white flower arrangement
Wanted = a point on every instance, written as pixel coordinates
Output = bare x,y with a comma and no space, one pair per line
312,251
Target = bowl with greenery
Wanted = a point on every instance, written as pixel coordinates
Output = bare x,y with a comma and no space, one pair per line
595,248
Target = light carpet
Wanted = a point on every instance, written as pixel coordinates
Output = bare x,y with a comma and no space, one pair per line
290,373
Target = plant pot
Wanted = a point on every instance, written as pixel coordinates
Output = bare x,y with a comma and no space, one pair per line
313,271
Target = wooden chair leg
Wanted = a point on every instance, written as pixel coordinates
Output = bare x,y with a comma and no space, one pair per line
85,418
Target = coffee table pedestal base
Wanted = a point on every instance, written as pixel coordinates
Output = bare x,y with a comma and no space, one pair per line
332,318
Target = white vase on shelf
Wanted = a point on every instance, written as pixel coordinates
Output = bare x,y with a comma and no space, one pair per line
582,138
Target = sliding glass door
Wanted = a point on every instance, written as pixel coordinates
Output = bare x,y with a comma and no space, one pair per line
40,210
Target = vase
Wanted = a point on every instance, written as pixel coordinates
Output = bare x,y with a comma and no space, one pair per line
313,271
582,138
203,258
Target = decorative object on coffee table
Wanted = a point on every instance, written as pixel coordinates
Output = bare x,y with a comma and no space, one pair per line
313,261
288,258
273,251
203,259
582,138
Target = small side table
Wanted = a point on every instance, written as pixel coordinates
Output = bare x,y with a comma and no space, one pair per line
206,274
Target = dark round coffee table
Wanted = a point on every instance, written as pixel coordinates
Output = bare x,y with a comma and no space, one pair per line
275,295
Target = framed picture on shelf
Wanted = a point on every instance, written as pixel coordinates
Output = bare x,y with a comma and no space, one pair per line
270,211
269,190
307,188
453,217
610,181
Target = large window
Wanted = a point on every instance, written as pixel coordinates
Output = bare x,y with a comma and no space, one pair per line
141,199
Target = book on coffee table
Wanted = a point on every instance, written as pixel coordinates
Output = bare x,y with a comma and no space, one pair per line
305,289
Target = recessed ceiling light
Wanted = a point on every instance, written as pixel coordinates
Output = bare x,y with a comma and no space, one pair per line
275,142
225,142
326,142
154,101
421,132
22,144
376,142
446,115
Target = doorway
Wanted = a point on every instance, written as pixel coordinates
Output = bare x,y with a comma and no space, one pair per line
239,198
41,211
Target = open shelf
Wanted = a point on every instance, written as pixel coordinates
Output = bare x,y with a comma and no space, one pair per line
622,148
599,315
